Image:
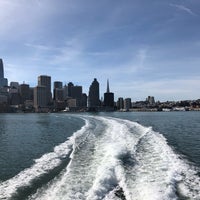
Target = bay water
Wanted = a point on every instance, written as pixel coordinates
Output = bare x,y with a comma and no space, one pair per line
115,155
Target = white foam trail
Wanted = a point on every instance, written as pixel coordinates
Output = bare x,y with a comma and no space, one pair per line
73,181
92,174
158,172
116,143
42,166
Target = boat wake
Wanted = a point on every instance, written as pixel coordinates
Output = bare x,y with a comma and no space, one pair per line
108,158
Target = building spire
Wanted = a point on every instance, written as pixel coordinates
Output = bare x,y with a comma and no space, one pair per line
108,89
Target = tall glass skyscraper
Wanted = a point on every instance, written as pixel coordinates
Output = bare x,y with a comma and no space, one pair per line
3,81
1,69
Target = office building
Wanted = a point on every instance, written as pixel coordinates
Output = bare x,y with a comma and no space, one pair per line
73,92
57,89
45,81
127,104
3,81
31,92
59,94
14,85
120,103
76,93
40,97
65,92
93,97
1,69
24,91
57,84
108,97
15,99
72,103
70,85
150,100
84,100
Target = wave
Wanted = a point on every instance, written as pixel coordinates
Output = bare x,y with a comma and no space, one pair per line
111,158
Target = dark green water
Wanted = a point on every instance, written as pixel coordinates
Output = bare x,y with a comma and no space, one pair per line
25,137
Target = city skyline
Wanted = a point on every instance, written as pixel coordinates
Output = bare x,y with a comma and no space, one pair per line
54,87
143,49
48,97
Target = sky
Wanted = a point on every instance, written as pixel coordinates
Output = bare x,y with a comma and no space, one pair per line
144,47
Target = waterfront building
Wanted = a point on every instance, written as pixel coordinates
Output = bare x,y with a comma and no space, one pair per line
40,97
14,85
65,92
84,100
120,103
70,85
57,84
31,93
13,90
24,91
108,98
76,93
45,80
4,91
1,69
93,97
72,103
73,92
3,98
14,98
57,89
3,81
127,104
150,100
59,94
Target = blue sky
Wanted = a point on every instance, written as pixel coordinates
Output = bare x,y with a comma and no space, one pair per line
143,47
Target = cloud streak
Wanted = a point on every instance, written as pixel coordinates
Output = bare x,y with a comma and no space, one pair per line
184,8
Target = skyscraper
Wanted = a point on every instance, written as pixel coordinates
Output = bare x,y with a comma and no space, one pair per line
127,104
84,100
93,97
108,98
76,93
24,91
3,81
1,69
40,98
57,89
120,103
70,85
44,80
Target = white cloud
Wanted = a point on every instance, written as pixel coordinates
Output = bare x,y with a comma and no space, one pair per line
19,18
184,8
39,47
